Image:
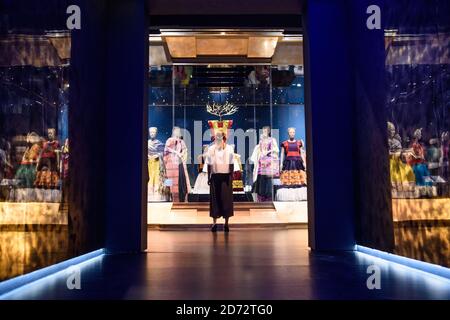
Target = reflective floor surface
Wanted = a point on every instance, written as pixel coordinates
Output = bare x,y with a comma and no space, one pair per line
245,264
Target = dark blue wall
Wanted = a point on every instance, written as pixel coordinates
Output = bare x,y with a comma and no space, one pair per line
349,186
373,205
126,127
108,116
87,129
329,113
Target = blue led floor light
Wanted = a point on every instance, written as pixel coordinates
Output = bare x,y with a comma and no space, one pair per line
6,287
407,262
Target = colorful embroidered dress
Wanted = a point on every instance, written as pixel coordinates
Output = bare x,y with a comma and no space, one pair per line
26,174
293,168
417,161
156,169
266,160
47,176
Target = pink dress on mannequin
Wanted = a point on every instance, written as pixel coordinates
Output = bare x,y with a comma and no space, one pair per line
172,162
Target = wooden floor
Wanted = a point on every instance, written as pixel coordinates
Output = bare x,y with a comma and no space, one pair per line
244,264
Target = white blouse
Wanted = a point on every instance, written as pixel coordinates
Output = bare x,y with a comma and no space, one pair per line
220,158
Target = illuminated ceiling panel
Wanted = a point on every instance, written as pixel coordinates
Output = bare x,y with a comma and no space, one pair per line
261,47
182,47
219,44
210,46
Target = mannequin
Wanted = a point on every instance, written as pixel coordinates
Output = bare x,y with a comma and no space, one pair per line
433,156
418,151
26,174
402,175
156,171
293,171
175,157
201,183
220,161
265,157
394,140
417,160
47,176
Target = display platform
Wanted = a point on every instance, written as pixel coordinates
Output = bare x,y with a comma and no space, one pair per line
167,215
237,197
421,209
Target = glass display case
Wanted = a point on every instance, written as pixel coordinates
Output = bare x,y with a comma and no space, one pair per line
259,107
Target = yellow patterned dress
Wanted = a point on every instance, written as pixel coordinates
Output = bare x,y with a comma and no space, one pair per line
402,174
156,170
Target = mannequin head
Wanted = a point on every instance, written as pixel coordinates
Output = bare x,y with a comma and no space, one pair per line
33,138
445,136
51,134
391,130
266,132
434,142
176,132
418,134
291,133
153,131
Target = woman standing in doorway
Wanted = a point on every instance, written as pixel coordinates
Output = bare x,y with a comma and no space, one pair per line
220,163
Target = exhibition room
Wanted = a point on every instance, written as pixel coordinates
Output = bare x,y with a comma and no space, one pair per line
289,134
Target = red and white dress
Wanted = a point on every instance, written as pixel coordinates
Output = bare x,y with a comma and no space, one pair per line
175,156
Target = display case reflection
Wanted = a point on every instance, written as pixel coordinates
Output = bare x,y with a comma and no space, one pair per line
34,145
418,82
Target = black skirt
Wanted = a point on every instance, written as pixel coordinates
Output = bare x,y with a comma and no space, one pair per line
221,196
263,186
293,163
182,187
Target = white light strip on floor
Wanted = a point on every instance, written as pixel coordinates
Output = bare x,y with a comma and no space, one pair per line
22,282
429,268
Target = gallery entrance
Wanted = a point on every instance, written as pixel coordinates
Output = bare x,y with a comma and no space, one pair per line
248,84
